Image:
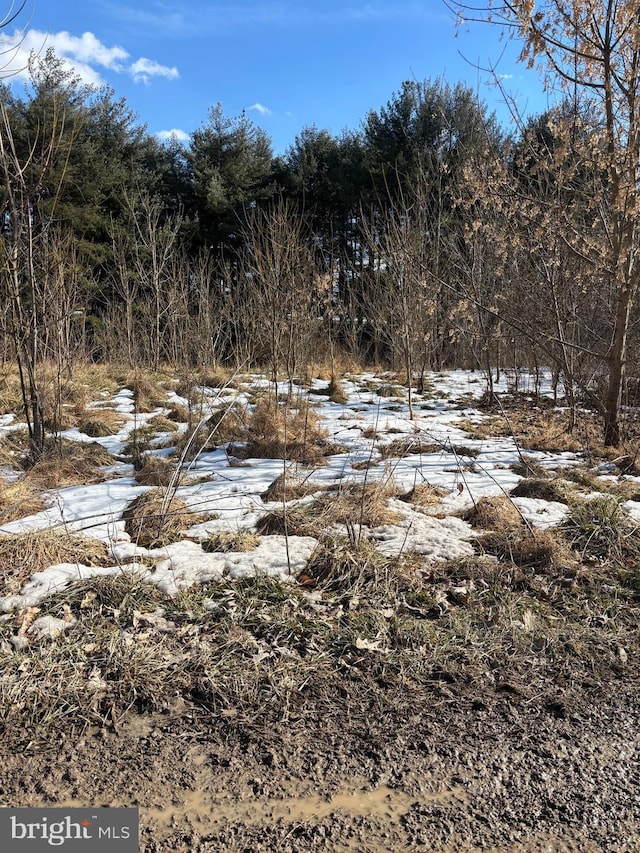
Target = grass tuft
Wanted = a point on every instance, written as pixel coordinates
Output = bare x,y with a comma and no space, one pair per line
19,499
223,543
276,431
340,565
24,554
98,423
424,495
543,489
414,446
69,463
155,471
494,513
356,505
155,519
288,488
601,528
538,550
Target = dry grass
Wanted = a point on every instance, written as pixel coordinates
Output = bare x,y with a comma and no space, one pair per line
538,550
600,528
224,543
100,422
276,431
156,471
193,442
528,467
288,487
148,394
334,391
340,565
424,495
162,423
494,513
179,413
365,464
354,506
155,519
217,377
413,446
549,430
228,423
19,499
543,489
24,554
10,393
491,426
69,463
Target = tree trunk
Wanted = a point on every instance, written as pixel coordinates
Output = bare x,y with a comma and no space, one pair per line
617,361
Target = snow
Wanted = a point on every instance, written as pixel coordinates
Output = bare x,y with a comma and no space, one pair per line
228,493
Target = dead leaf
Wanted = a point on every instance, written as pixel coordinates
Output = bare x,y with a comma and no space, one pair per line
369,645
87,600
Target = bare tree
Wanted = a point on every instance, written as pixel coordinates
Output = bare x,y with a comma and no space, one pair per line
279,273
153,250
591,50
24,243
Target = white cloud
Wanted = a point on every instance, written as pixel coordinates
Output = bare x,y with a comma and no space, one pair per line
86,55
144,69
265,111
166,135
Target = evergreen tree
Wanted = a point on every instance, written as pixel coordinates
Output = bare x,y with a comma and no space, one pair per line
232,167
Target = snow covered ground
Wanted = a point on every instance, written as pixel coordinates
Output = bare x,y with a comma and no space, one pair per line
228,492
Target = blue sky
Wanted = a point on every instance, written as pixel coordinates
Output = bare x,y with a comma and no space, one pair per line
288,63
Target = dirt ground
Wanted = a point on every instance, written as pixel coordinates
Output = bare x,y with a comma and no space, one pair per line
557,773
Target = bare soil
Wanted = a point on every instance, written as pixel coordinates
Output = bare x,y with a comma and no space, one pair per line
553,770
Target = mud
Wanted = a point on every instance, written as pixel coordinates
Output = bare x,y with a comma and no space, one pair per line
508,776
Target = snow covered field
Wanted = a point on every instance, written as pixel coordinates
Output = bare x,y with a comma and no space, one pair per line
227,493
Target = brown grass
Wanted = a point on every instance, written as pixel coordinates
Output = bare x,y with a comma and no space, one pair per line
194,441
276,431
334,391
229,423
492,426
217,377
155,519
365,464
543,489
494,513
528,467
69,463
340,565
147,393
289,488
24,554
224,543
14,445
354,506
156,471
601,528
412,446
179,413
539,550
548,430
100,422
424,495
162,423
19,499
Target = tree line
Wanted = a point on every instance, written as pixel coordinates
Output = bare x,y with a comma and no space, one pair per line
428,238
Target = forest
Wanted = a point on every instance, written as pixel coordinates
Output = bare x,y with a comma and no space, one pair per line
429,237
